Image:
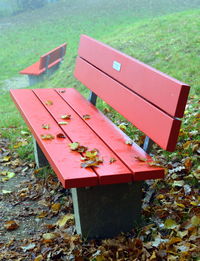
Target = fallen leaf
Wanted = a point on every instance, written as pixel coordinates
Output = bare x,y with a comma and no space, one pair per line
86,117
178,183
47,137
62,122
129,142
46,126
60,136
74,145
48,102
63,220
112,160
66,116
6,191
140,158
195,221
170,224
11,225
48,237
55,207
38,258
28,247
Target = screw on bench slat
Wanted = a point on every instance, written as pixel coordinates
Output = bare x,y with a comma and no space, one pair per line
148,143
93,98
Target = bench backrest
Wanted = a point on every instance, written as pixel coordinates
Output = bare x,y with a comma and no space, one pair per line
53,57
148,98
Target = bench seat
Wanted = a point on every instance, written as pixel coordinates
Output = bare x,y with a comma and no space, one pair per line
35,69
97,132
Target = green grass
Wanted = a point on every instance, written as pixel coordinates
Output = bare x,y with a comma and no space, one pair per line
168,43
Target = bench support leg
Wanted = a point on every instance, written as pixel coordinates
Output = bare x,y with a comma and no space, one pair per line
40,158
105,211
34,79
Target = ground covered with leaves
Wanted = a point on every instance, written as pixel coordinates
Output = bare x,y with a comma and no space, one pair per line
36,213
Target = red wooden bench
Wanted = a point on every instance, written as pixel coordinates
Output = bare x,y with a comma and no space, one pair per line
107,198
48,63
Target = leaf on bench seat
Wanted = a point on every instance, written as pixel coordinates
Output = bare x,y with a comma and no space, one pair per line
49,102
112,160
66,116
86,117
47,137
62,123
60,136
46,126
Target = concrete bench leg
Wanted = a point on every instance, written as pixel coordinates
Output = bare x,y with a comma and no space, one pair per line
105,211
40,158
34,79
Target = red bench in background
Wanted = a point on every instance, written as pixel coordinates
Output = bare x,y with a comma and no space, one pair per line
48,63
107,197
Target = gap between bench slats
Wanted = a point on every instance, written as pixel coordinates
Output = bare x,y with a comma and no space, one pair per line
78,131
112,136
156,124
65,163
158,88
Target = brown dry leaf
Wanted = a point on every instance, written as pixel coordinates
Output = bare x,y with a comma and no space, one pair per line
60,136
48,102
112,160
46,126
47,137
64,220
11,225
43,214
66,117
86,117
55,207
188,163
140,158
82,149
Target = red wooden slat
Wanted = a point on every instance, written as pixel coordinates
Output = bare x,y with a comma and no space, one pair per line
112,136
156,124
160,89
33,69
78,131
55,56
65,163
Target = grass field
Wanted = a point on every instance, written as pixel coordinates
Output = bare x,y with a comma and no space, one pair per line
138,28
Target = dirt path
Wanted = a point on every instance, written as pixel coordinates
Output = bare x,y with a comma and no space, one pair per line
14,83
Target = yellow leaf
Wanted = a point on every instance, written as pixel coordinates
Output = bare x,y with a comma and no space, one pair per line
55,207
38,258
160,196
49,236
170,224
48,102
6,191
46,126
63,221
180,205
182,234
47,136
6,158
66,117
178,183
194,203
86,117
195,221
174,240
10,175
